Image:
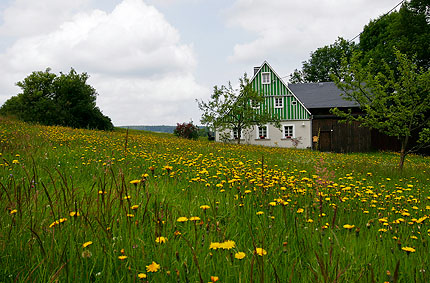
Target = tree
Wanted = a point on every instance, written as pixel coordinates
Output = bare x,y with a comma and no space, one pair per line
324,62
65,100
408,30
228,109
395,102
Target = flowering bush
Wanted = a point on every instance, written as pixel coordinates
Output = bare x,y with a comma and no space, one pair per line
186,130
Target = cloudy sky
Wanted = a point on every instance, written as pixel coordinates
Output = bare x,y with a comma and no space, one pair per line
150,59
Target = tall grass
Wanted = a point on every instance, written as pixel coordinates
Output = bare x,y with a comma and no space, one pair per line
296,215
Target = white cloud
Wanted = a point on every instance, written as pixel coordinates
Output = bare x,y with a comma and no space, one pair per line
292,29
134,56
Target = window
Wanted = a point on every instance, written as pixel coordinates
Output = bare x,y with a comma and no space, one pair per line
279,102
288,131
262,132
235,134
265,78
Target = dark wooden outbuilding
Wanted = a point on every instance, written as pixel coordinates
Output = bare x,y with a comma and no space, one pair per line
329,134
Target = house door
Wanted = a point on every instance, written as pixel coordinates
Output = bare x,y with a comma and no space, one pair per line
325,140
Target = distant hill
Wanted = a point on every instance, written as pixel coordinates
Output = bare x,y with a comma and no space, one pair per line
158,129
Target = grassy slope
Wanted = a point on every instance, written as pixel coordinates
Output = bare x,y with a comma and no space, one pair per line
292,203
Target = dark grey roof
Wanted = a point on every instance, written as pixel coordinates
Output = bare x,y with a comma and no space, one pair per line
320,95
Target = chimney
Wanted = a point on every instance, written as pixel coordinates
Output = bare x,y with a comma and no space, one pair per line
256,70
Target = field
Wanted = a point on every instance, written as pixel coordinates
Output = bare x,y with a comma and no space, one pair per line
80,205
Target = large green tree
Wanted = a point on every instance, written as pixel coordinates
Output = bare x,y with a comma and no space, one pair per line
408,30
324,62
395,102
229,109
65,100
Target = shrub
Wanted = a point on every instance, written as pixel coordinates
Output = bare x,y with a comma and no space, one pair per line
186,130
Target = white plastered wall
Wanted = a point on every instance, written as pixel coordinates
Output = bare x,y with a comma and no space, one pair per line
301,139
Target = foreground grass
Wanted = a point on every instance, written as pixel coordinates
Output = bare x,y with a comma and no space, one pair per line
78,205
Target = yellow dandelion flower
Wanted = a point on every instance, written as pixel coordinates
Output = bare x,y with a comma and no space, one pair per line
13,211
204,207
239,255
182,219
153,267
348,226
86,244
122,257
408,249
260,213
227,245
300,210
141,275
214,246
260,251
74,214
161,240
194,218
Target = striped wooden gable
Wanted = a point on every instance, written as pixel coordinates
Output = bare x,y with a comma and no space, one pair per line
270,85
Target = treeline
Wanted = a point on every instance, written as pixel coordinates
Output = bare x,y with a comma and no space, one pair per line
406,30
64,99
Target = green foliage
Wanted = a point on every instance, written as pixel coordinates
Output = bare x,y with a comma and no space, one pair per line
324,62
397,104
187,131
65,100
408,30
228,109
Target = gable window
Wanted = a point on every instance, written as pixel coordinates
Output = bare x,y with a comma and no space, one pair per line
262,132
265,78
279,102
288,131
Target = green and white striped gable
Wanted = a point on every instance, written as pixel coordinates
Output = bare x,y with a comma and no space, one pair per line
269,84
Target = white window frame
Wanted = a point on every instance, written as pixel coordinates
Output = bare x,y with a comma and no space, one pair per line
278,105
242,137
257,132
283,131
263,81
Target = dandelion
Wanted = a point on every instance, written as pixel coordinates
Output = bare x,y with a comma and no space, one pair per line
260,251
86,244
153,267
348,226
182,219
204,207
74,214
227,245
13,211
194,218
135,182
300,210
408,250
141,275
260,213
214,246
134,207
122,257
239,255
161,240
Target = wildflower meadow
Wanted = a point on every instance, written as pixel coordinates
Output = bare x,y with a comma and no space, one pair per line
130,206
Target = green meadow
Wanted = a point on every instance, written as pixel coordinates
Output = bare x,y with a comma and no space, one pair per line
94,206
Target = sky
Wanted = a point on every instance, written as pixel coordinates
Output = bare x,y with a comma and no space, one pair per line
149,60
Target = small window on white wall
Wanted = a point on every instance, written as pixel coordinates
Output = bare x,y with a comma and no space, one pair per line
262,132
265,78
279,102
288,131
235,134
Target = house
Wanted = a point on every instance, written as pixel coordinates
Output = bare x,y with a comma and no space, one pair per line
306,121
294,117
